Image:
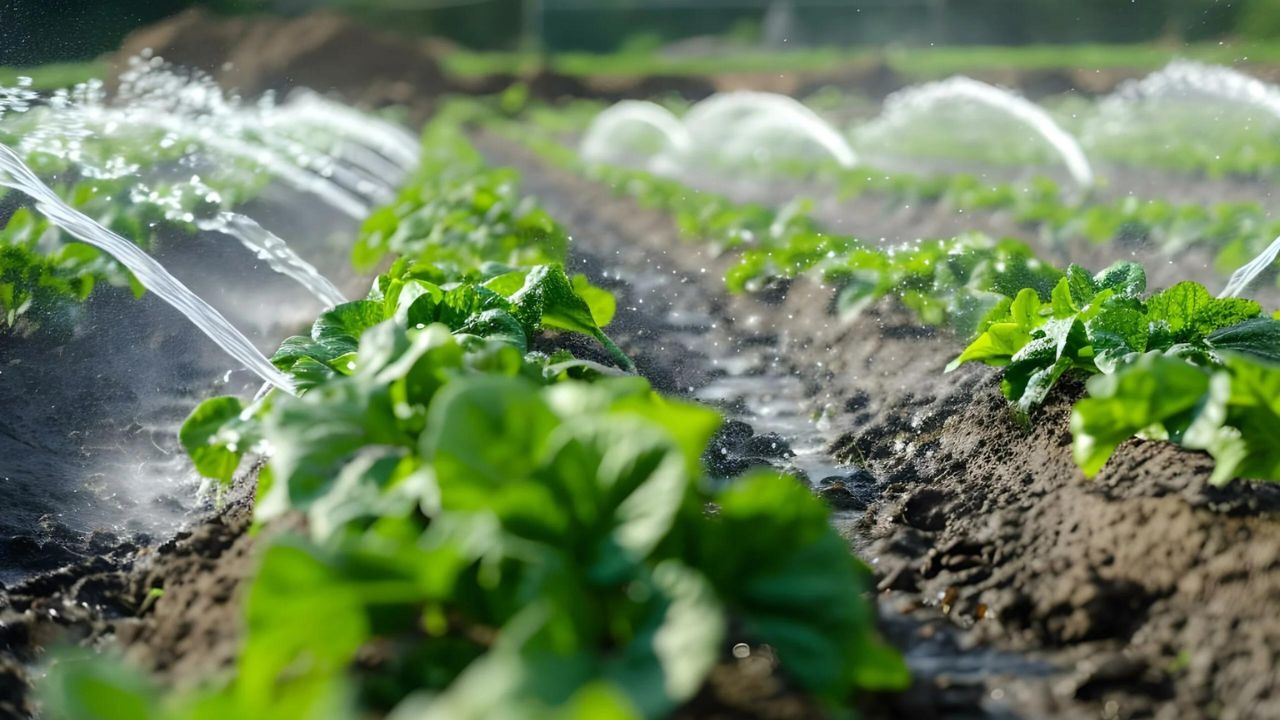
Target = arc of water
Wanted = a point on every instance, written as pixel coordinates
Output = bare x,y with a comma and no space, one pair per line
371,165
302,156
15,174
1191,77
1244,277
391,140
300,179
708,118
924,97
598,139
277,253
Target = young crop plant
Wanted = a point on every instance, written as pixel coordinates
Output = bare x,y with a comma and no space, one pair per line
458,215
1177,365
36,280
516,540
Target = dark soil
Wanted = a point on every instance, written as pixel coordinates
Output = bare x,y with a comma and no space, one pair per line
332,53
187,634
321,51
1145,593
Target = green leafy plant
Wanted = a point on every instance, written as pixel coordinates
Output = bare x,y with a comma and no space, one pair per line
1178,365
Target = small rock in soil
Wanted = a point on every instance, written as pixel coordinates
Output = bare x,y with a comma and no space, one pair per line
854,491
736,448
926,509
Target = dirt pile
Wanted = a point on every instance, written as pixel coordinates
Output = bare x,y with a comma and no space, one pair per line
324,51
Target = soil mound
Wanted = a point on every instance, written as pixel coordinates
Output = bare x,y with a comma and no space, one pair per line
324,51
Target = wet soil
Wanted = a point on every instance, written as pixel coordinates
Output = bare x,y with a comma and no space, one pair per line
173,609
1143,593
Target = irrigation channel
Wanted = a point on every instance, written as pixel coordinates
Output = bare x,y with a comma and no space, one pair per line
1012,587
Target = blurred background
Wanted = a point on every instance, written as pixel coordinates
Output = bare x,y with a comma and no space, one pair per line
48,31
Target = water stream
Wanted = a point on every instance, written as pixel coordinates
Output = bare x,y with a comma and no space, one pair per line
1241,279
15,174
389,140
904,106
277,253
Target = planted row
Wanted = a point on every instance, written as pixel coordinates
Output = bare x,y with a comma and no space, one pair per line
1233,232
1179,365
494,532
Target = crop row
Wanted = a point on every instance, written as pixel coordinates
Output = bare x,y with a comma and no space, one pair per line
492,531
1177,365
1232,232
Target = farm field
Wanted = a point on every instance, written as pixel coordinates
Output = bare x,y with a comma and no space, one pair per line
947,404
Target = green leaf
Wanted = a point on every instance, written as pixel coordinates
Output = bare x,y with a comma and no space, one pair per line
996,346
1025,309
688,642
626,478
787,575
548,295
1178,306
214,447
1125,278
1224,313
314,436
1259,338
1036,387
338,330
296,592
1081,286
482,433
415,302
1153,392
334,334
548,298
1115,333
497,325
379,482
1239,424
1063,305
602,302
